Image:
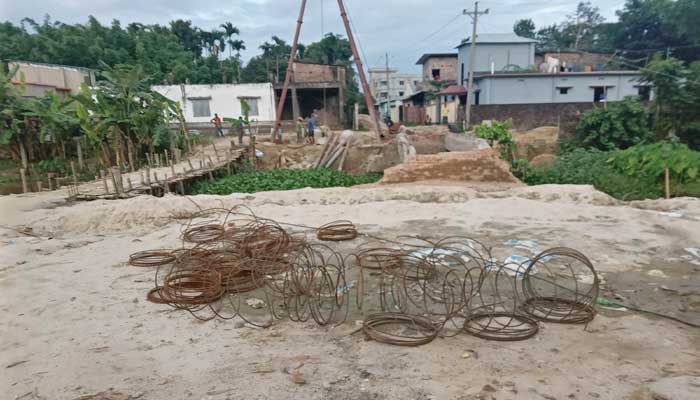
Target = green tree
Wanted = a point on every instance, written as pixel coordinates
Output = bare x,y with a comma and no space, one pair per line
618,126
676,89
524,28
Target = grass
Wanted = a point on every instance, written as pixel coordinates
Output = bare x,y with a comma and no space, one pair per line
281,179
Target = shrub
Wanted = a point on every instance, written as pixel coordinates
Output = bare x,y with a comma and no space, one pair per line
282,179
618,126
498,132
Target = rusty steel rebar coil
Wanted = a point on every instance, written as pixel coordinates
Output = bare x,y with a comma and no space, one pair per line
500,326
564,291
424,329
337,231
203,233
411,293
151,258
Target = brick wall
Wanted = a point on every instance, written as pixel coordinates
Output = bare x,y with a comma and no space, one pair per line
470,166
318,73
530,116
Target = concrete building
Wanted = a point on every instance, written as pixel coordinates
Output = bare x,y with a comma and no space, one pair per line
497,52
40,78
439,66
317,89
398,86
200,102
563,87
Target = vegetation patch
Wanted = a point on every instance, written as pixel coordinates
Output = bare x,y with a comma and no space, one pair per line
282,179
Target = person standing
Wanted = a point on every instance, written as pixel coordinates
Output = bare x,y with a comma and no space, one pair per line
217,124
239,127
300,130
310,128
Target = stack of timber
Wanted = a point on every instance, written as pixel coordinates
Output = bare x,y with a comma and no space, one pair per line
335,149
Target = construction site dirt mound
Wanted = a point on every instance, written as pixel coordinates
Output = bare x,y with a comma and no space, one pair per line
532,143
476,166
144,213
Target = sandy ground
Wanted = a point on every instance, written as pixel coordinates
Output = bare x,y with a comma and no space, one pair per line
75,320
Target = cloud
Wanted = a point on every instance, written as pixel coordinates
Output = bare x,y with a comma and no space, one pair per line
401,28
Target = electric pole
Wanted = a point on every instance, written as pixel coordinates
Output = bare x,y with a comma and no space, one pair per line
472,50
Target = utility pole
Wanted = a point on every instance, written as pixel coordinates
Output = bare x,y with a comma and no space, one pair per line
472,50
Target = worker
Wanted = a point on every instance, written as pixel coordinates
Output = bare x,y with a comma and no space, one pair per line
217,124
239,127
310,129
300,130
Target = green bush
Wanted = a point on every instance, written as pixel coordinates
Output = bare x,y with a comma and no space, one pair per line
617,126
592,167
281,179
498,132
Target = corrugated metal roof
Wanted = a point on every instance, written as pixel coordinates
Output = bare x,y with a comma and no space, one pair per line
497,38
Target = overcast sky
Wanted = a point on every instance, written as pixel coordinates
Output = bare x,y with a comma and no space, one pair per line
403,28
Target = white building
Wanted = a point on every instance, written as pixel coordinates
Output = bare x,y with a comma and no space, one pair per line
200,102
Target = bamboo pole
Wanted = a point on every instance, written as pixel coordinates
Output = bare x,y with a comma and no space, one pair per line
667,183
345,153
148,158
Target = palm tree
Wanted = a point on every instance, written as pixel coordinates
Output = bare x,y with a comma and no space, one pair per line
237,45
229,30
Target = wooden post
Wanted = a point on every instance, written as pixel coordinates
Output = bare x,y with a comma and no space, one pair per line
190,163
48,178
148,158
172,168
23,176
201,164
39,186
75,176
141,177
667,181
251,151
112,174
103,174
79,150
166,185
182,187
120,181
128,182
148,177
167,159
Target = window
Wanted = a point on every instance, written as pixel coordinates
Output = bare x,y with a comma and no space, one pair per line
383,95
436,74
200,107
415,83
400,83
382,83
252,105
644,93
598,94
400,94
563,90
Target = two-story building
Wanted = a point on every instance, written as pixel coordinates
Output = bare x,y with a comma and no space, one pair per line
439,66
496,52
